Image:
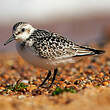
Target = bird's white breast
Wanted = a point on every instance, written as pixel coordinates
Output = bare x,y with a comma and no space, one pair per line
28,55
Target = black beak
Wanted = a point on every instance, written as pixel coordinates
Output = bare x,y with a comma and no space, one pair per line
9,40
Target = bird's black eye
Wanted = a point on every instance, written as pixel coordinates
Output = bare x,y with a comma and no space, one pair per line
23,30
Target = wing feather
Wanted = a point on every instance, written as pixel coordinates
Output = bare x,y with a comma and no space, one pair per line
54,46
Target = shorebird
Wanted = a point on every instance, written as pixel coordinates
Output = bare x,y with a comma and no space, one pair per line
46,49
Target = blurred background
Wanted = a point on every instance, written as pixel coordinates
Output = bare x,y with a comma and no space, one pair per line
84,21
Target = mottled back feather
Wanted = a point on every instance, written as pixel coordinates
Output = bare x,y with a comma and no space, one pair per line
54,46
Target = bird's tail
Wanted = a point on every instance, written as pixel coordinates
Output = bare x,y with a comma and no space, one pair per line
84,51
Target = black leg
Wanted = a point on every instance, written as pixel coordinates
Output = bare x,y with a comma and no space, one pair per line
55,72
48,75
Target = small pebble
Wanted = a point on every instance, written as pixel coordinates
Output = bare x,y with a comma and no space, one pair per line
105,83
21,96
25,81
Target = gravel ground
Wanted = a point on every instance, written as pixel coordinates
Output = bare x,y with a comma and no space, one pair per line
84,85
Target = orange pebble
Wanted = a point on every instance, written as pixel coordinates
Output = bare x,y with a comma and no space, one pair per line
105,83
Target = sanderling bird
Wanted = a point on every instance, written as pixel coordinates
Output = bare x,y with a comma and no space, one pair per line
46,49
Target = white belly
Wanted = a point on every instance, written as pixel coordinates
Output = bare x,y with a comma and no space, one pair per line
28,55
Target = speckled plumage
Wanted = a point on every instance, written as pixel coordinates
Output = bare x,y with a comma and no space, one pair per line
53,46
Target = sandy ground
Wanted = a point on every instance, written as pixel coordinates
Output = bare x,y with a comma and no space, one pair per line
89,99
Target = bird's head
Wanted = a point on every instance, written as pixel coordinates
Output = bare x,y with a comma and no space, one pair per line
21,31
